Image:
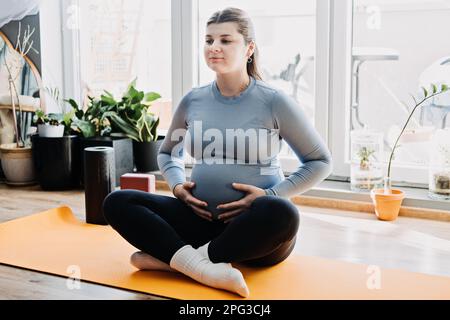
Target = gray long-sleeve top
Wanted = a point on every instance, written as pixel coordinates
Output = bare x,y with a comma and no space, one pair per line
238,139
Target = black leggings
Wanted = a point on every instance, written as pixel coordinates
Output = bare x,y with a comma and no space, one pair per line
262,235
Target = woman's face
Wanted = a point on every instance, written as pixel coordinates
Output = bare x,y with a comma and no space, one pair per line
225,49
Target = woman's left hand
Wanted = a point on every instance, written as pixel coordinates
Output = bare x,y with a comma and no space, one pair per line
236,207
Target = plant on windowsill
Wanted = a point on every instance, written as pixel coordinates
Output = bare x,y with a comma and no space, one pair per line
387,201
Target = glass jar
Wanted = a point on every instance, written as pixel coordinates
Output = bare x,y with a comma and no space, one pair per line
439,165
366,152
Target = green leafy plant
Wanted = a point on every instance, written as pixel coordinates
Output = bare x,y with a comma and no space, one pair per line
130,115
134,117
62,118
93,121
435,90
40,117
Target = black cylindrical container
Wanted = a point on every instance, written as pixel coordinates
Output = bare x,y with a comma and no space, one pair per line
56,162
145,155
123,152
99,181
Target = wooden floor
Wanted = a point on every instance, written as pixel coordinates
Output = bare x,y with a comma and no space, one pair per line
411,244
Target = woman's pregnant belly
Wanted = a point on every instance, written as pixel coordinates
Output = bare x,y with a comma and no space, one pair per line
213,182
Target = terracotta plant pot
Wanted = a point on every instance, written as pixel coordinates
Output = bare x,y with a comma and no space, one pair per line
387,206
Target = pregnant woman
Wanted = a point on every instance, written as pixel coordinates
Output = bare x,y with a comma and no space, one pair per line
235,207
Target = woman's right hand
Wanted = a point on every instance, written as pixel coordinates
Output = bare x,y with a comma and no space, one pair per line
183,192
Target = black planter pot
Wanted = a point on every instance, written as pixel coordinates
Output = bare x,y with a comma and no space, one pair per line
123,153
57,162
146,155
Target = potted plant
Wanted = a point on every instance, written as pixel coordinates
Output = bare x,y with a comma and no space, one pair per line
48,125
387,201
136,120
147,144
57,158
17,162
95,128
53,125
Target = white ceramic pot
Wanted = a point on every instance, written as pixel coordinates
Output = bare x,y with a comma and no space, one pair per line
17,164
48,131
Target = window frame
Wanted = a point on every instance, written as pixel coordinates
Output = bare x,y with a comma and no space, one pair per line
334,20
341,44
340,41
71,40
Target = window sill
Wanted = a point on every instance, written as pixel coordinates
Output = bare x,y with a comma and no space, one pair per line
338,195
414,197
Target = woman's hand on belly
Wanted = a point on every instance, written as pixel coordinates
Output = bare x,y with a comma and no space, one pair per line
235,208
183,192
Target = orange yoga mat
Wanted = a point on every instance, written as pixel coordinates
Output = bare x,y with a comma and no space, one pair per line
55,240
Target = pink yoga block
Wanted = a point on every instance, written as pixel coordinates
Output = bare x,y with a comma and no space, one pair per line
138,181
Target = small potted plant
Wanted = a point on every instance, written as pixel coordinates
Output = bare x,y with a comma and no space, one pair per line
52,125
48,125
387,201
56,157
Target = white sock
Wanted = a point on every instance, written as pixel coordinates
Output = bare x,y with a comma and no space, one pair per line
204,250
144,261
190,262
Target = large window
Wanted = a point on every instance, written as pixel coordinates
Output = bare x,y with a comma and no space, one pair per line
123,40
399,47
348,63
381,53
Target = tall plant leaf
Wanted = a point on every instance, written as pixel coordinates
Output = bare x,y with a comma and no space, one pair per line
128,129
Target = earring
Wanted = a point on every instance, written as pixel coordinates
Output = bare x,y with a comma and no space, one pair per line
250,60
